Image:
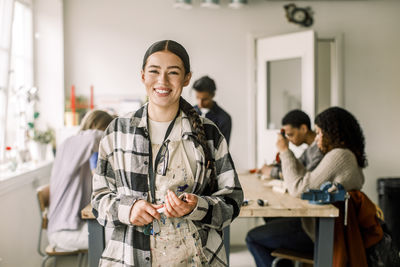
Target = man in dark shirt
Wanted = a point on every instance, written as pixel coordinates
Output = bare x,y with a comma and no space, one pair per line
205,91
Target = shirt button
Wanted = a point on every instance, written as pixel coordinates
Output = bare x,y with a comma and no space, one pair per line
147,258
145,163
145,194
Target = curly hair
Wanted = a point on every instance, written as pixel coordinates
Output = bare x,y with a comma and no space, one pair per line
341,129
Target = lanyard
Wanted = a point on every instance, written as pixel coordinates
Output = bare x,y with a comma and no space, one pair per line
152,174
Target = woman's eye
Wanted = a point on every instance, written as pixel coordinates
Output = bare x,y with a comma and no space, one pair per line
153,71
173,73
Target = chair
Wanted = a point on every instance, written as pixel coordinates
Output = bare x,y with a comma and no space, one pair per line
295,256
43,195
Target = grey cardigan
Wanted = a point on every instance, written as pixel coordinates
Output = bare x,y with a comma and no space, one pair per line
71,180
338,165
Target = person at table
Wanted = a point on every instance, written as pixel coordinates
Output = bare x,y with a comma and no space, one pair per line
341,140
166,183
205,91
71,183
297,126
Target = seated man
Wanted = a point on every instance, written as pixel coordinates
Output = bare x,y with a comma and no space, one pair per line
297,126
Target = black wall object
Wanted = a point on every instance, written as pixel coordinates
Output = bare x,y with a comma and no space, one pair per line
299,15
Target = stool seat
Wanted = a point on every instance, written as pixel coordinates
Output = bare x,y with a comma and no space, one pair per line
43,196
52,252
292,255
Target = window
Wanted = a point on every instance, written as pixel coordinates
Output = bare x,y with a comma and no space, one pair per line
6,11
16,72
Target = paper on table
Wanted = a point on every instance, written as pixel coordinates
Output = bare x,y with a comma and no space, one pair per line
277,185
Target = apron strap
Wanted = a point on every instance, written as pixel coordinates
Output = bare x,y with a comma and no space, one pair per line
152,174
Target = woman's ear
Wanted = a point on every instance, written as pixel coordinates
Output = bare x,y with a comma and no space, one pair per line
187,79
142,75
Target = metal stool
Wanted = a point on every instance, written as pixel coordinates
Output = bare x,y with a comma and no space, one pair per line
297,257
43,195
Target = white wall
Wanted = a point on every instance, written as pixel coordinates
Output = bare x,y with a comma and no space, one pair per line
49,61
105,41
20,219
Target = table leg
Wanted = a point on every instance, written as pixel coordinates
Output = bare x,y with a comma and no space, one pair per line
96,242
227,241
323,248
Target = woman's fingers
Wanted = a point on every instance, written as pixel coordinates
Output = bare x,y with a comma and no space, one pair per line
142,220
143,213
175,201
191,200
170,207
179,206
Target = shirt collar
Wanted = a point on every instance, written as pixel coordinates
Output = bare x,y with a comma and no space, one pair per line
139,119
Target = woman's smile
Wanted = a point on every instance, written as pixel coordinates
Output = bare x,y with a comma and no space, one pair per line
162,91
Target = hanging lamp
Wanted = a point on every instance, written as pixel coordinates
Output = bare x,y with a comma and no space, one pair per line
236,4
184,4
210,3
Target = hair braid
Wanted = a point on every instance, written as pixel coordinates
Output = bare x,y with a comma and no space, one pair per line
199,131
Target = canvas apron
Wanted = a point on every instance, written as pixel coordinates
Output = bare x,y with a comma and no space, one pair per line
178,243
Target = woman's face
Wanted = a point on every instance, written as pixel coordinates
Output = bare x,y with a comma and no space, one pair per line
319,138
164,78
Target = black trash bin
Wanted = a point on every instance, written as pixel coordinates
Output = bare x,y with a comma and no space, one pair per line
389,202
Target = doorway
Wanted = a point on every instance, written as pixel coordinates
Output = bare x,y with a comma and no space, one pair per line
293,71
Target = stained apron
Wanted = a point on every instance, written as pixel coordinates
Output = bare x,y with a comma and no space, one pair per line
178,243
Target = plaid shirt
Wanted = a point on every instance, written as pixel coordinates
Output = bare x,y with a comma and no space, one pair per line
121,179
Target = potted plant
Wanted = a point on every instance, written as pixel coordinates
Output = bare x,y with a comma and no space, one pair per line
41,140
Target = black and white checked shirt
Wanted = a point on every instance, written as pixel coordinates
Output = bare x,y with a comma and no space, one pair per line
121,179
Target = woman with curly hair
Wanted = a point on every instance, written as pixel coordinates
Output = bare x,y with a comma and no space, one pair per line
341,140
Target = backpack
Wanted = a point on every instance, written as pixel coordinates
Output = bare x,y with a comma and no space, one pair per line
385,253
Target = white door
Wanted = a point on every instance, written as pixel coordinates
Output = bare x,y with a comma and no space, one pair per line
285,81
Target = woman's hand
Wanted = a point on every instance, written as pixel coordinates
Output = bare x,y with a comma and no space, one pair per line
282,144
143,213
176,207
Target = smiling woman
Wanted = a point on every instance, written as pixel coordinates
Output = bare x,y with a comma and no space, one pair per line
180,188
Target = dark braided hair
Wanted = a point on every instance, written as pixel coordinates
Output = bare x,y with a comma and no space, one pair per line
200,133
194,118
341,129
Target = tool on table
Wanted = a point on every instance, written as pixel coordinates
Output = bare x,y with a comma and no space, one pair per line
328,193
246,202
262,202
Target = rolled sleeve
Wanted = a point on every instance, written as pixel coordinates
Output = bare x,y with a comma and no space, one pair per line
199,211
124,208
